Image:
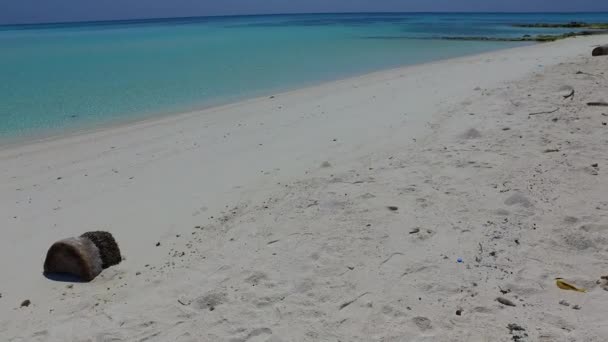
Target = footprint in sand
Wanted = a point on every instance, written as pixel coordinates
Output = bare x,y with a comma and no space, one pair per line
502,212
558,322
305,286
393,312
267,301
595,228
367,196
260,334
518,199
548,338
423,202
105,337
256,278
483,310
210,301
579,242
471,133
422,323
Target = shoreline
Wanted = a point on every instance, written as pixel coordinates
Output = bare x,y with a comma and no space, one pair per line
48,135
273,211
16,142
54,134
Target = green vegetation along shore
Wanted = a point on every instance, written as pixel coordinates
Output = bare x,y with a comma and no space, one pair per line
589,29
573,24
527,38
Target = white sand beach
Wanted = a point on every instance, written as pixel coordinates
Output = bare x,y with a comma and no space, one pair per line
273,221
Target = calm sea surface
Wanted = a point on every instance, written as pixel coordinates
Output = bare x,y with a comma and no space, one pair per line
63,77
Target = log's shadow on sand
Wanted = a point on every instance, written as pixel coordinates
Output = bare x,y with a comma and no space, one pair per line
63,277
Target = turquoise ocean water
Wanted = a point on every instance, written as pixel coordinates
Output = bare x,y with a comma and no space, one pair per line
64,77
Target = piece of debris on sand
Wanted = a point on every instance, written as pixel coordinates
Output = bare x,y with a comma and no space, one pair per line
505,301
84,256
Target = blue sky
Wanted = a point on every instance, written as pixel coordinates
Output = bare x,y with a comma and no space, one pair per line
30,11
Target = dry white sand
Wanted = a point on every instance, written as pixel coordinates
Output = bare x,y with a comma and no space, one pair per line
291,248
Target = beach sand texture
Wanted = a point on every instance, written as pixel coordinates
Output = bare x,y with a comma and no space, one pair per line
269,219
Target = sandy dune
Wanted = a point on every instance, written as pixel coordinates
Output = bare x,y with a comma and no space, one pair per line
273,214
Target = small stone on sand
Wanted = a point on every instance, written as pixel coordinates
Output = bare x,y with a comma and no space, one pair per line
505,301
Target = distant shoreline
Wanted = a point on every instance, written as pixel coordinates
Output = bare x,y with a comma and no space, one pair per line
227,16
9,142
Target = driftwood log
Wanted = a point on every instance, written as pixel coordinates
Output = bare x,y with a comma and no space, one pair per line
84,256
597,104
600,51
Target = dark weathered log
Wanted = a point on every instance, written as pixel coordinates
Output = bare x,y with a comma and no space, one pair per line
600,51
84,256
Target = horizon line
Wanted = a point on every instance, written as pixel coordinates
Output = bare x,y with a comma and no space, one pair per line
100,21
